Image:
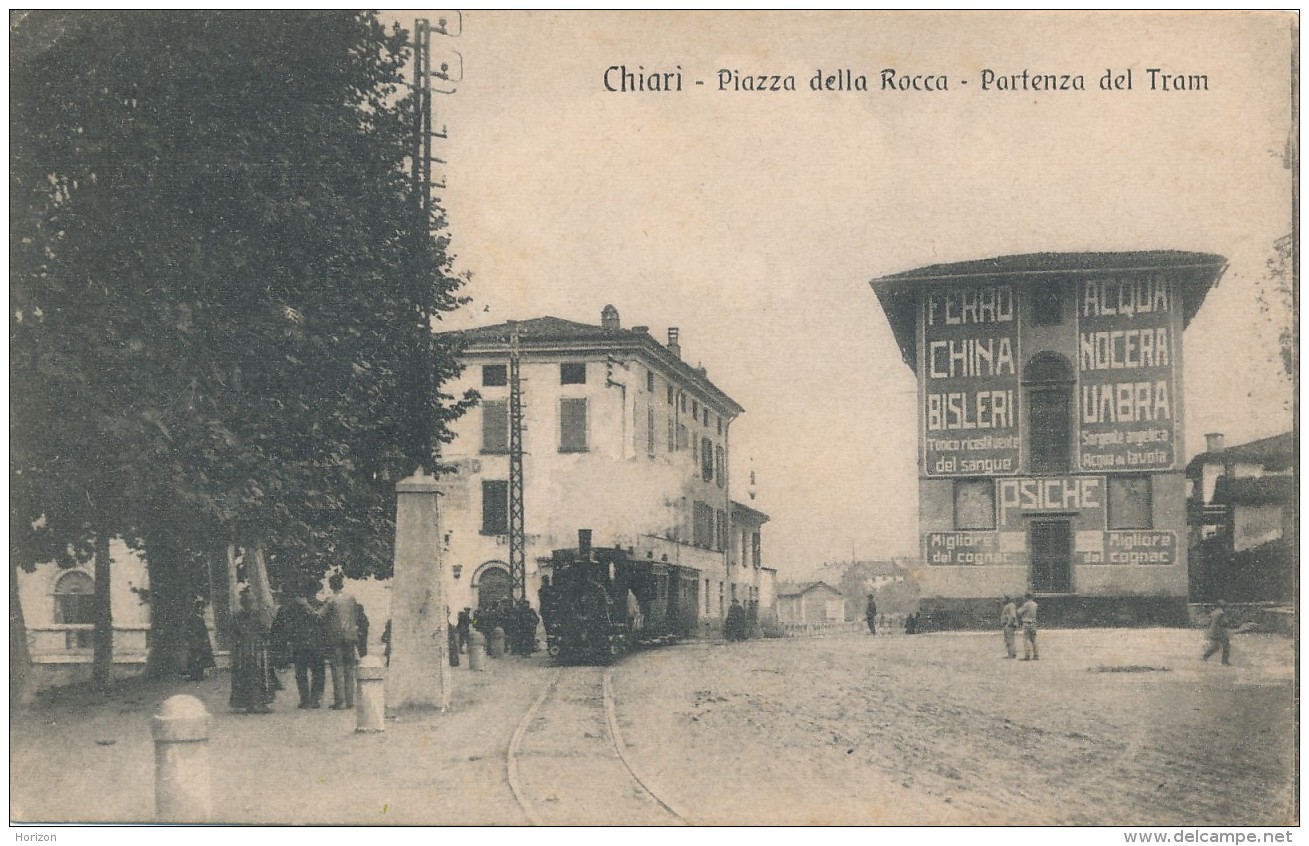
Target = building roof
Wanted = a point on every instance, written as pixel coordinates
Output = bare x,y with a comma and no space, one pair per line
756,515
1275,453
553,335
804,587
1255,490
898,292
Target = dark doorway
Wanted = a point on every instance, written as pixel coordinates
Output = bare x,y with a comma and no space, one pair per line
1052,553
492,587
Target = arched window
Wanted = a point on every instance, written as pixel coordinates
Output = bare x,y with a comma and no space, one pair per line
1048,380
75,604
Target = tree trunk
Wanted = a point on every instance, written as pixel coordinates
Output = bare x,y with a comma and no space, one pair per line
171,597
256,570
102,666
20,657
220,595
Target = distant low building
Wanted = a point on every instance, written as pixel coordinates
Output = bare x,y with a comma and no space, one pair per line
1241,513
810,602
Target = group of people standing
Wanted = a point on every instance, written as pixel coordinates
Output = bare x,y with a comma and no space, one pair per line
518,620
1011,617
304,633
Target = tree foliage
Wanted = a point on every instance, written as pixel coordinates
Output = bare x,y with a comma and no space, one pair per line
222,286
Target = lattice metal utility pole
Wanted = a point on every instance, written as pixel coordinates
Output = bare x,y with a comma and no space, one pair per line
517,534
425,82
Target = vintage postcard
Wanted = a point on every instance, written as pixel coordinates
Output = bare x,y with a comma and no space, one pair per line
655,418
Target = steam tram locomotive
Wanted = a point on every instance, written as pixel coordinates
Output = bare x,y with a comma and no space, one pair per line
603,602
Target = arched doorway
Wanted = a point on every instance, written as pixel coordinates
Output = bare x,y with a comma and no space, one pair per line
492,584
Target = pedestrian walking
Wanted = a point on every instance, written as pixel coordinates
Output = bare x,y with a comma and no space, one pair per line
361,625
299,633
386,643
1009,625
1218,636
199,649
1027,616
870,614
251,690
340,612
530,620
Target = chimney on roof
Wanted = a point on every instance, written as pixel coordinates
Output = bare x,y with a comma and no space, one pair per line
1213,442
641,330
673,346
609,319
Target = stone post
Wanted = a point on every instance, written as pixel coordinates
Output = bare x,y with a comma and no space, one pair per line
370,705
497,648
181,733
476,649
420,668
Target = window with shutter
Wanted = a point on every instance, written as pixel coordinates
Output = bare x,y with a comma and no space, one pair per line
495,426
572,425
974,504
494,375
572,373
495,507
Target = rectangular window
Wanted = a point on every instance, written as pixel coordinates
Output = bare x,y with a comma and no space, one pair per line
720,425
720,466
672,396
695,408
1047,306
695,451
707,607
495,507
494,375
572,373
706,416
1129,502
974,504
649,430
672,433
721,535
495,426
649,381
756,550
706,459
572,425
681,402
681,436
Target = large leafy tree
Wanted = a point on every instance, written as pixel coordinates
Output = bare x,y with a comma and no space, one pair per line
222,294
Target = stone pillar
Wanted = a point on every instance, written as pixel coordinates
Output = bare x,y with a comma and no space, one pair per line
370,705
420,668
476,650
181,733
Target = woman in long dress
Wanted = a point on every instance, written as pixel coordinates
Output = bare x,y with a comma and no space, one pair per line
251,691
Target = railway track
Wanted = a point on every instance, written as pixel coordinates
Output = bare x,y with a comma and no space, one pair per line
566,761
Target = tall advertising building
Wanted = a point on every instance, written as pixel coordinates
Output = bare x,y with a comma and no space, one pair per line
1051,450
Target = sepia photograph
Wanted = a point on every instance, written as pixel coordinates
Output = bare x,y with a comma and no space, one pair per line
660,418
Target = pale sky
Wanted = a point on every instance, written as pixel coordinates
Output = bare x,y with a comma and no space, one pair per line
754,220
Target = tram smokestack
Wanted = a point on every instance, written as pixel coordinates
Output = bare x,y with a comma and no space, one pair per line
584,543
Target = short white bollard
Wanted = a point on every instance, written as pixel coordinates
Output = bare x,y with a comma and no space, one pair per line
370,704
181,732
476,650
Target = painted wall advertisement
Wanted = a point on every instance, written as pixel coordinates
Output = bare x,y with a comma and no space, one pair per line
1126,375
969,381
